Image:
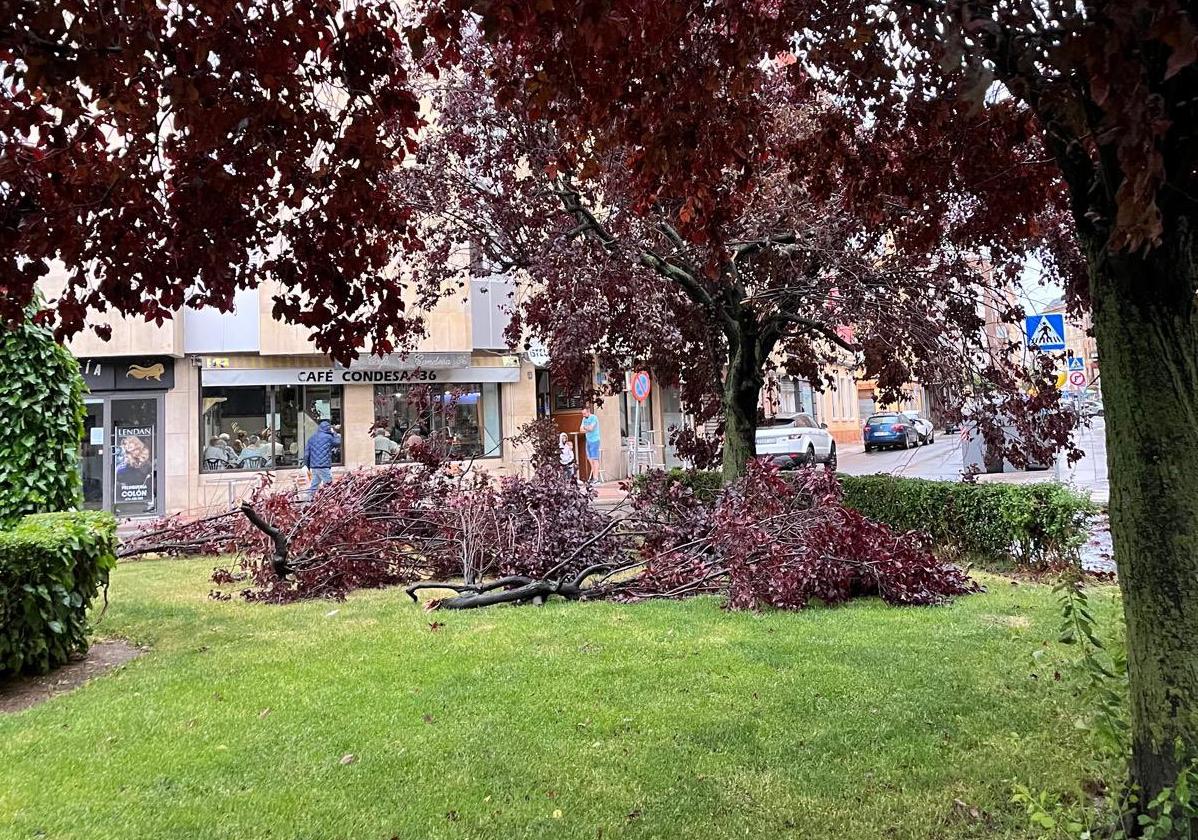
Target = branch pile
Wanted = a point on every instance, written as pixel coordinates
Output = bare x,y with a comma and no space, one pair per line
768,540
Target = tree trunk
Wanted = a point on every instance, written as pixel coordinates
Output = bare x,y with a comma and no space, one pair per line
743,382
1147,330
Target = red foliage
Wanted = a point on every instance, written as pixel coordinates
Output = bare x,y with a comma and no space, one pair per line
770,541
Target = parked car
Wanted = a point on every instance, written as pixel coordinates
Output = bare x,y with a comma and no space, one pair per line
889,429
927,433
797,442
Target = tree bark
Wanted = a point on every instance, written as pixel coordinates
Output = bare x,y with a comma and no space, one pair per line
1147,330
743,382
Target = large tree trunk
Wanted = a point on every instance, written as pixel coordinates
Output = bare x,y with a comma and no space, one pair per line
743,381
1147,331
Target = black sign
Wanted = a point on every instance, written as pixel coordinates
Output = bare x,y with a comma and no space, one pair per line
135,373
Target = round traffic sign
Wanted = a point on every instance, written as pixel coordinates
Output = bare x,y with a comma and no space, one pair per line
640,385
1077,379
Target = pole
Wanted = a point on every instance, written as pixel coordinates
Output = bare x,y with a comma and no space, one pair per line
636,437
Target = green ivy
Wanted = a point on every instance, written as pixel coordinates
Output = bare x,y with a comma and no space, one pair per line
41,390
52,565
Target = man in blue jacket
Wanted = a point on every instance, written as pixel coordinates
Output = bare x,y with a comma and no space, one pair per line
318,456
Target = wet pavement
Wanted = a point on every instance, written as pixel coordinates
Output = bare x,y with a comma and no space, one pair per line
944,460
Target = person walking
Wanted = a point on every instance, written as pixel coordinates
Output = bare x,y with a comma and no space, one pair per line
318,456
590,427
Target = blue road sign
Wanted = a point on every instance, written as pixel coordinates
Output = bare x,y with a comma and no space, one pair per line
1077,363
1045,332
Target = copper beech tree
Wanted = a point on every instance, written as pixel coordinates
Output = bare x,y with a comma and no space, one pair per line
792,281
957,87
168,154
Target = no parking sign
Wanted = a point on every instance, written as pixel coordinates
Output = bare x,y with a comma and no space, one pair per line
640,385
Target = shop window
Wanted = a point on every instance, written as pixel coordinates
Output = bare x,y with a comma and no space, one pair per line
627,414
567,398
263,427
464,417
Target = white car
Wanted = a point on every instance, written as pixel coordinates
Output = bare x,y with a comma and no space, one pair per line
924,427
797,442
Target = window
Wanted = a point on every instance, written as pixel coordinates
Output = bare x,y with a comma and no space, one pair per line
795,396
263,427
466,416
628,414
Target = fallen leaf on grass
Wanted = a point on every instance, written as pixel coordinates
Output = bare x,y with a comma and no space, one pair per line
348,758
264,712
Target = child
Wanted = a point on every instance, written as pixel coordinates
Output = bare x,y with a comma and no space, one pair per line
566,453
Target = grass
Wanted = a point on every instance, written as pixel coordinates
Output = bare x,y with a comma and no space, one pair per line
568,721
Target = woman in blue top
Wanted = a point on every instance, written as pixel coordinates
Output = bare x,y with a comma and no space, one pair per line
590,426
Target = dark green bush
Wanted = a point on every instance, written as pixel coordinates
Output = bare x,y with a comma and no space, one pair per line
42,394
51,567
703,483
1031,527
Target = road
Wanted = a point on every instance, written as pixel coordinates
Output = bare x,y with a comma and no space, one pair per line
943,460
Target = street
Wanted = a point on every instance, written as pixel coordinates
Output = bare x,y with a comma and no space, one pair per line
943,460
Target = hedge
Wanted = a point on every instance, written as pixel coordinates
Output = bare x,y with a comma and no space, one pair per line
41,390
1031,527
51,567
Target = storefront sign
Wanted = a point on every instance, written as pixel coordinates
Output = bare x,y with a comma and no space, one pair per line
429,360
354,376
133,456
137,373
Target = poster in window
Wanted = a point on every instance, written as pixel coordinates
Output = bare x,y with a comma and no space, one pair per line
134,459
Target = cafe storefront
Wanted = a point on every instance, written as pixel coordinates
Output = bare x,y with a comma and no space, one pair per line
260,418
121,454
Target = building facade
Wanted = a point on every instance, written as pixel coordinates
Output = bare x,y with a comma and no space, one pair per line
190,415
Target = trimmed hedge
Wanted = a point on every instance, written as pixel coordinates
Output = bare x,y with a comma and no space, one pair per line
705,484
1031,527
51,567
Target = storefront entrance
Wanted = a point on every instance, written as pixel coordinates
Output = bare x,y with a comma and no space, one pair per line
121,454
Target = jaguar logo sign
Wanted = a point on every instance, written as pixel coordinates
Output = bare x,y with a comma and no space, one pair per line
154,371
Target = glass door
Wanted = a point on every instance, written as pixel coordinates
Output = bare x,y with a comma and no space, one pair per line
135,443
91,455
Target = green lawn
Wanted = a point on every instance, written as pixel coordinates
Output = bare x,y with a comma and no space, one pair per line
571,720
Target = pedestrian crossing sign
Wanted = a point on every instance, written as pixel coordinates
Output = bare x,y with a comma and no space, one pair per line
1077,363
1045,332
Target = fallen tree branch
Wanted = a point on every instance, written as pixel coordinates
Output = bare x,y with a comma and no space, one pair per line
279,560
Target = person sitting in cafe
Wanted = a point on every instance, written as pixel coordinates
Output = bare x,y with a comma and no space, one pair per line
254,449
214,451
385,449
271,447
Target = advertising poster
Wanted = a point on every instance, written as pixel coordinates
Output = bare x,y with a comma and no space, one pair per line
134,459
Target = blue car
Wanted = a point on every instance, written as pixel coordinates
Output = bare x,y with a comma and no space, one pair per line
889,429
